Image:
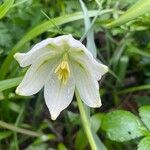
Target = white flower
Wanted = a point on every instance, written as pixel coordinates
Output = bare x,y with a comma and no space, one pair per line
60,65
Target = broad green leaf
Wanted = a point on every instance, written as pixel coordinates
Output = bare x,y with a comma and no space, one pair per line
122,126
5,7
90,35
144,144
9,83
139,8
144,112
39,29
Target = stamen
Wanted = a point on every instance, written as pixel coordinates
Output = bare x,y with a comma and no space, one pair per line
63,71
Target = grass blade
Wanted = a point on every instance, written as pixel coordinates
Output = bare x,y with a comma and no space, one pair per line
9,83
4,8
139,8
90,35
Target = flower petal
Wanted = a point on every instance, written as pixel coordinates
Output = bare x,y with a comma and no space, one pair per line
55,45
81,54
49,45
87,86
87,60
57,95
36,76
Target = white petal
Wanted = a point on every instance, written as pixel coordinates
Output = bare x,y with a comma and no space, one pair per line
36,76
81,54
67,42
87,60
56,45
87,86
57,95
26,59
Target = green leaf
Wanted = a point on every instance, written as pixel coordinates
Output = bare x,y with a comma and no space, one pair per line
96,121
90,35
98,142
5,7
145,115
134,89
42,146
81,140
139,8
74,118
39,29
5,134
61,146
144,144
9,83
122,67
137,51
122,126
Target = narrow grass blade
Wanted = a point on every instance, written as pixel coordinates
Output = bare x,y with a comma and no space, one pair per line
9,83
139,8
134,89
20,130
90,35
4,8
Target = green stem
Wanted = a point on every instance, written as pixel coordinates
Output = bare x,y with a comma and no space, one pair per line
85,122
19,130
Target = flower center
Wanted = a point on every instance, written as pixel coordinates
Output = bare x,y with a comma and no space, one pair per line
63,71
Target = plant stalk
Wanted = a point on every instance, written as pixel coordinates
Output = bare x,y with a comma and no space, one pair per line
85,122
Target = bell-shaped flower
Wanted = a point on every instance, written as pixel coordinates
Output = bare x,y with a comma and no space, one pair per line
60,65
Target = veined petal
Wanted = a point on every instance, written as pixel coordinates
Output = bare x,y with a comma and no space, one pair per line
36,76
48,45
57,95
87,86
96,68
81,54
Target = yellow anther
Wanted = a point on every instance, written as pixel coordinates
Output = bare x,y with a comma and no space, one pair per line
63,71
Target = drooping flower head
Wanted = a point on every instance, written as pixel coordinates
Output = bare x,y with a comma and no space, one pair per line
60,65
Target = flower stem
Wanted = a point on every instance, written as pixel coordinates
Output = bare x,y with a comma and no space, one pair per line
85,122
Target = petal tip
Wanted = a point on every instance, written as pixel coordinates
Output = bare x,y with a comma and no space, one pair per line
18,91
98,104
106,69
54,116
16,56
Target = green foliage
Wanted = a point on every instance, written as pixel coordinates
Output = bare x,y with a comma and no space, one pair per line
81,141
124,46
144,144
144,114
5,134
139,8
122,126
5,7
9,83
